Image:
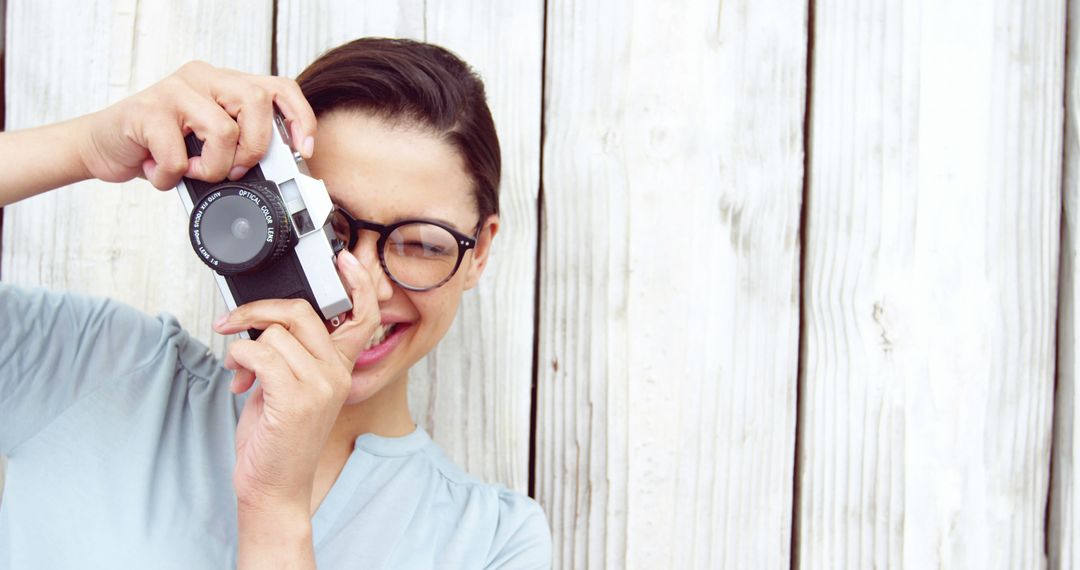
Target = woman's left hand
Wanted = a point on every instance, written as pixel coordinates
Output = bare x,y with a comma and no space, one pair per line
304,377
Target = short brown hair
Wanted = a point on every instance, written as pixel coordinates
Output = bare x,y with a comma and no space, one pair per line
417,82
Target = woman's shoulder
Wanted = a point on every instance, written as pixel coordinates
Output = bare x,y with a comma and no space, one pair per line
523,536
513,506
88,331
519,530
32,304
64,350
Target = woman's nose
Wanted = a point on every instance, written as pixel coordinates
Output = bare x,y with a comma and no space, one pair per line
366,251
366,248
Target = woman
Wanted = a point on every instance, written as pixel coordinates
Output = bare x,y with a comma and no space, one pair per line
130,446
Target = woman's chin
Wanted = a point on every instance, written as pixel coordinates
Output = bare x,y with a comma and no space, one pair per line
366,384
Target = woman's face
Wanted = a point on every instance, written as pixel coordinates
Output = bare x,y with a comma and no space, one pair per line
382,172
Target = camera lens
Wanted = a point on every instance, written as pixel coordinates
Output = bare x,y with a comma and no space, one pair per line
237,227
241,228
234,230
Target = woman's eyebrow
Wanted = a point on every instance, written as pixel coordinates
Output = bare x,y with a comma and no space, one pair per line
406,217
427,219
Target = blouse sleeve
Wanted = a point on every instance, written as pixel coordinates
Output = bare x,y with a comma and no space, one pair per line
56,348
523,538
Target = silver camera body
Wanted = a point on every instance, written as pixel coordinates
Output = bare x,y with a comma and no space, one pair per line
267,235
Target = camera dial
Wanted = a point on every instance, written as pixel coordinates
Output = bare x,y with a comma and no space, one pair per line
240,226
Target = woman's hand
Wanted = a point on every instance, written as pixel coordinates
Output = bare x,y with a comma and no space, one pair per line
143,135
230,111
305,374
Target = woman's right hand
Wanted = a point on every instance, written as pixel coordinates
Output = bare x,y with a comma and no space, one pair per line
230,111
143,135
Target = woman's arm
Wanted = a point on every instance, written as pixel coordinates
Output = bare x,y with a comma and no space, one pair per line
40,159
271,538
304,376
143,135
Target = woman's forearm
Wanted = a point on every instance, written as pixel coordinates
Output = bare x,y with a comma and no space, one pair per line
40,159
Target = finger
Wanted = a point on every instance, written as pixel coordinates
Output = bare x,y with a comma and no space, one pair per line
249,417
219,133
303,365
168,157
360,282
255,116
243,380
351,337
294,106
267,364
296,315
251,104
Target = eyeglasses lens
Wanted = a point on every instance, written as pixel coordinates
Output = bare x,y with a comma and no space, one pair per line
420,255
341,227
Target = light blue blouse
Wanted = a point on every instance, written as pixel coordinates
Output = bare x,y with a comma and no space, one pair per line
119,431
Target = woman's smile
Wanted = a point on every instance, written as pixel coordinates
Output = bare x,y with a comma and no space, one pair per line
386,338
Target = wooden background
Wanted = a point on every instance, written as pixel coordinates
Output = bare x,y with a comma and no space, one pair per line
780,283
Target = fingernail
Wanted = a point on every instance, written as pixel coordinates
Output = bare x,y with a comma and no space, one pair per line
309,147
221,320
349,259
237,172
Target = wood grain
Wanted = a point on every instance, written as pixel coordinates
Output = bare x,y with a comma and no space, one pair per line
126,241
3,27
3,74
669,281
473,392
1063,527
930,284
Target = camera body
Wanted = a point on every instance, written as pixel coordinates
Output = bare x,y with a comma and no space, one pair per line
267,235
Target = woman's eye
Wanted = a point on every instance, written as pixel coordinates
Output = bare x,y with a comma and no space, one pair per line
424,249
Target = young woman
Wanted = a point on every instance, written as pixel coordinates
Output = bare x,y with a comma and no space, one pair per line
131,447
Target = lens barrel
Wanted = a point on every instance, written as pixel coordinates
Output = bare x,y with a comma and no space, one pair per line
240,226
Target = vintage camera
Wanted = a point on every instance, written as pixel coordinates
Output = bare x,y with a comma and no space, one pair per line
267,235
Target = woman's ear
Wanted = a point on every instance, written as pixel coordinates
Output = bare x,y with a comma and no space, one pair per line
478,260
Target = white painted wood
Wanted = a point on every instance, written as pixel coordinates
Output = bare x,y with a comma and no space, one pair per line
126,241
930,284
1062,526
669,282
473,392
308,29
3,28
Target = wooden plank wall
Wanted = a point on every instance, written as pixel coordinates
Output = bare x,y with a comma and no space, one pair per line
1064,507
738,363
931,284
669,281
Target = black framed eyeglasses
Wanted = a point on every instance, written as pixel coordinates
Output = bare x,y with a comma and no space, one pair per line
418,255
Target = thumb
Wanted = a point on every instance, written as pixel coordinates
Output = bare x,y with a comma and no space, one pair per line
352,336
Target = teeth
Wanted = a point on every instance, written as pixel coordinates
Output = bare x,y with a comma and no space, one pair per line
381,332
